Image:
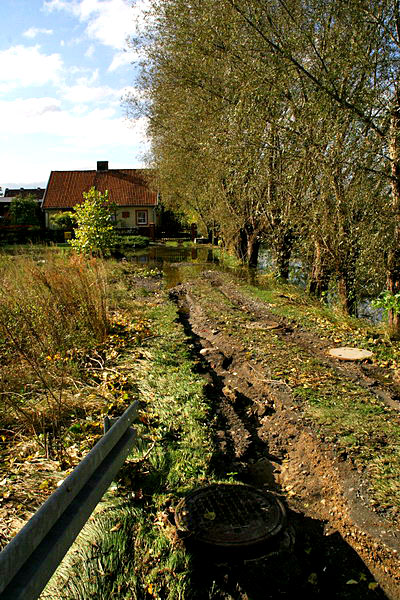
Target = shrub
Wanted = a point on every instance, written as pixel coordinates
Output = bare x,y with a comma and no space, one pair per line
63,220
23,211
135,241
95,232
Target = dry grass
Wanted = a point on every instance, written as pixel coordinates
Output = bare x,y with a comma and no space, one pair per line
52,312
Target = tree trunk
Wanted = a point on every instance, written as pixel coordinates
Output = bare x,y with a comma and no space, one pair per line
346,278
252,252
320,273
393,259
347,295
283,250
248,246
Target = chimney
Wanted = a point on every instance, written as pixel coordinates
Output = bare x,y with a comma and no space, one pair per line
102,165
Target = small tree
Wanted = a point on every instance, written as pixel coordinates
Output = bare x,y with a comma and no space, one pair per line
63,220
23,211
95,232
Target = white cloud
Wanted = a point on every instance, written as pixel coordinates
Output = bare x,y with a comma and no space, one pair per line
32,32
110,22
24,66
19,115
81,129
90,51
72,139
57,4
82,93
120,59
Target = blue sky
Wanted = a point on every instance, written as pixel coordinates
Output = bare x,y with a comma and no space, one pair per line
64,67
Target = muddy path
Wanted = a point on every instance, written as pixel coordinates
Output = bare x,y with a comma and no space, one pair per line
342,548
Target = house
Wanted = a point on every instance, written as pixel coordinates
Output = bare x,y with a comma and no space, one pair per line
5,200
10,193
137,204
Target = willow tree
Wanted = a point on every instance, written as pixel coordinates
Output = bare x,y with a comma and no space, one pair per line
347,54
276,120
212,127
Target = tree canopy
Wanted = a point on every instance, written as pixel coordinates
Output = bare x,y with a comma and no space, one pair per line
279,122
24,210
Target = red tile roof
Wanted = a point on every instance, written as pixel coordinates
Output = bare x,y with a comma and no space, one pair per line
24,192
126,187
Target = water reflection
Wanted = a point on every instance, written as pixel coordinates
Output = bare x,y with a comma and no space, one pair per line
298,276
176,262
159,254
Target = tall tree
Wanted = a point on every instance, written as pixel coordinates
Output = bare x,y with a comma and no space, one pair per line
278,121
347,53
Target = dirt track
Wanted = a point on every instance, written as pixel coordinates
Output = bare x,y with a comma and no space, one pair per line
262,436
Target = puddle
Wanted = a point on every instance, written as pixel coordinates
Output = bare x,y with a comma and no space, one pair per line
178,263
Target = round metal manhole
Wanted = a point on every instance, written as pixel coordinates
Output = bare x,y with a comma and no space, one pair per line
230,516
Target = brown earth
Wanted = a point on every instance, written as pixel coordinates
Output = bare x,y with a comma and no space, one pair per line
262,436
343,548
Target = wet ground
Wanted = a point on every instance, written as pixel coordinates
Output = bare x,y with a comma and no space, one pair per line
338,548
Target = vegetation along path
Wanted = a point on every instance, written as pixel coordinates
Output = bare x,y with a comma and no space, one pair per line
235,385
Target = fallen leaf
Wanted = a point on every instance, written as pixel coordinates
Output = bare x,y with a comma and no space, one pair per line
210,515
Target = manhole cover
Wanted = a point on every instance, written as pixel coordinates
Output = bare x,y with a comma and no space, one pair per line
346,353
230,516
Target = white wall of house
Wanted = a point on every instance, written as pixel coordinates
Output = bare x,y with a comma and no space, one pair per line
136,216
126,217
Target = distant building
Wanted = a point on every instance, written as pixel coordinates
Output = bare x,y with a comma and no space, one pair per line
137,204
10,193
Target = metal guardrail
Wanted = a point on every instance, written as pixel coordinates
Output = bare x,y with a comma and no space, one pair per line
32,556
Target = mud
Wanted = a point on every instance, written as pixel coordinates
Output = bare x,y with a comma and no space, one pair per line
343,549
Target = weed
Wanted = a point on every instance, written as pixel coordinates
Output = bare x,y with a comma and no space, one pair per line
351,417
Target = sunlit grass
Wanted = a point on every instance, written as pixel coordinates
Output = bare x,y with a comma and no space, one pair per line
172,456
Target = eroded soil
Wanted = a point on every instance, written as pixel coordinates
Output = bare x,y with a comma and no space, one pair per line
344,546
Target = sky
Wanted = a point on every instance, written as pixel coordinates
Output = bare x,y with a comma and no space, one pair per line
65,66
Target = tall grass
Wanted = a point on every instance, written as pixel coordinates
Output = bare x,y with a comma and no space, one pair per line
51,311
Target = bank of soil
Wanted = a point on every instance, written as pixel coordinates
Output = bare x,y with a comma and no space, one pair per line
344,545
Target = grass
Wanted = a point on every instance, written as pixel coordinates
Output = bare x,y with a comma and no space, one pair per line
52,312
135,241
81,339
64,322
129,548
172,456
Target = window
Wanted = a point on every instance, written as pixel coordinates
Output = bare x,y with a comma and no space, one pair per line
125,214
141,217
